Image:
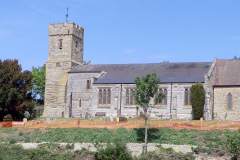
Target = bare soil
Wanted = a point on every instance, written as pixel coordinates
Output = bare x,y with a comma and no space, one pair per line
132,123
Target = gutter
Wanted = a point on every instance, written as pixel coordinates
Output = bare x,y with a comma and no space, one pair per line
102,83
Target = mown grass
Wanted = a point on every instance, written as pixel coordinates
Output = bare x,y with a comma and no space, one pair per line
205,139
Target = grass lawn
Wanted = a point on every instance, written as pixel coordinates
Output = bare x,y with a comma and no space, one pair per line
203,139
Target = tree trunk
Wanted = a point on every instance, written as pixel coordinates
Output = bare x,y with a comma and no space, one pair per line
146,134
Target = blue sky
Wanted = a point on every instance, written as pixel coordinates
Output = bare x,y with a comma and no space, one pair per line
124,31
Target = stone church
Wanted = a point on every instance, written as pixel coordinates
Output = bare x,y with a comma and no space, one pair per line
76,89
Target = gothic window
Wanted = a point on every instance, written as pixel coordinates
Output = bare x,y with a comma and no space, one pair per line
163,101
88,84
130,97
60,43
229,101
187,96
104,96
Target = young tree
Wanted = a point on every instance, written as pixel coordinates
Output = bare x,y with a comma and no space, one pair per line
147,89
15,87
198,100
38,83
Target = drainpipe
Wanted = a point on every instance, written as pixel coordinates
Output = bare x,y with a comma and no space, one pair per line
171,103
120,107
70,108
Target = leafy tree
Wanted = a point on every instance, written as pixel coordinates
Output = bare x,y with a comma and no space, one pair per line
15,85
147,89
198,100
38,83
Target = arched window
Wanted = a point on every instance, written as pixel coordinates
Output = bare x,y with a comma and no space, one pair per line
187,96
229,101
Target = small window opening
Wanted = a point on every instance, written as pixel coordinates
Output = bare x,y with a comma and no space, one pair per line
76,44
88,84
60,43
58,64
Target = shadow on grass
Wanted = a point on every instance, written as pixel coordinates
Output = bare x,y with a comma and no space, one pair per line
153,134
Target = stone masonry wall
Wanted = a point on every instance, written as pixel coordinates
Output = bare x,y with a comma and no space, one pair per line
60,61
221,111
89,99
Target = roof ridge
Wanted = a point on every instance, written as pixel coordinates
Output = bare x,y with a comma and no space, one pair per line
149,63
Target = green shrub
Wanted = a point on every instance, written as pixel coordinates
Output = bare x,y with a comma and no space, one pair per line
197,100
233,145
116,151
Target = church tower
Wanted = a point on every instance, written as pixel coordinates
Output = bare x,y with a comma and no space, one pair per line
65,50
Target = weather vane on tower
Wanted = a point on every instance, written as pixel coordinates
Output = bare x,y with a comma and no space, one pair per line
67,16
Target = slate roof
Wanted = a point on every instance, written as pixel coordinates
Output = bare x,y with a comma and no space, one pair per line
187,72
227,72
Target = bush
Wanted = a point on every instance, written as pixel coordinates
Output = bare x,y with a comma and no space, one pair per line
233,145
116,151
198,100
